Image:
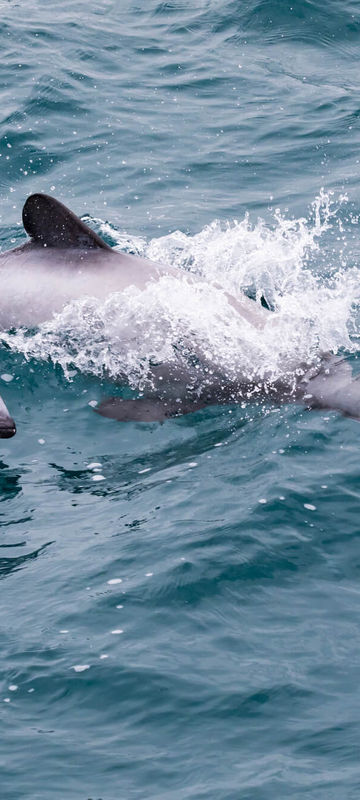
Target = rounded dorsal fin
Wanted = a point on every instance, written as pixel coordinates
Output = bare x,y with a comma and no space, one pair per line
50,224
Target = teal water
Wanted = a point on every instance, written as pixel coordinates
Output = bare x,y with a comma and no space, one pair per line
180,603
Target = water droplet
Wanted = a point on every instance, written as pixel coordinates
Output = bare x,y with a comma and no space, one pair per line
80,667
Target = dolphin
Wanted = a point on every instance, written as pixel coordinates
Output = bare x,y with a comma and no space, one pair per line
64,259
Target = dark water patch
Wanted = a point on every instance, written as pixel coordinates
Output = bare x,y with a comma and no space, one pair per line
14,564
15,544
54,97
10,485
193,583
339,739
304,19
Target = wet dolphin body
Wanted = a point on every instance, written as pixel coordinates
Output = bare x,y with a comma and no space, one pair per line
64,259
7,424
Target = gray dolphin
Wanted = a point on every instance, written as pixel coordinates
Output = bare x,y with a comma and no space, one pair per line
64,259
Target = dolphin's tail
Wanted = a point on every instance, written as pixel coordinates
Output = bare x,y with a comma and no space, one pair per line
7,424
334,388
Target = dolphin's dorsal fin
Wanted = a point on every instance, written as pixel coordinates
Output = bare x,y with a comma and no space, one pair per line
50,224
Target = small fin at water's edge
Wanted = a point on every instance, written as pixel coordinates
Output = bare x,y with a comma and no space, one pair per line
7,424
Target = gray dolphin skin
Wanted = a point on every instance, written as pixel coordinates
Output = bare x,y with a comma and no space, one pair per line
64,260
7,424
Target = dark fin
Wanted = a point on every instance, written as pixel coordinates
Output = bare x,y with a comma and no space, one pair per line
50,224
334,389
7,424
145,409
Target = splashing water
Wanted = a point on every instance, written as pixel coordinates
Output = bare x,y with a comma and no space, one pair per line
181,321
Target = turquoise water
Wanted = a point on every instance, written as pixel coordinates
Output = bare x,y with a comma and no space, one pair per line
180,602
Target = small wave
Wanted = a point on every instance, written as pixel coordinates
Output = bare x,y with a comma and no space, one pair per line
305,20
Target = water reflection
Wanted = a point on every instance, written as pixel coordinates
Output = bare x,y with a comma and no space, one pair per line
9,482
13,564
151,460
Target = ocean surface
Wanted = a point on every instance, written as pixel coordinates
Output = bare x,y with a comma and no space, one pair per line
180,603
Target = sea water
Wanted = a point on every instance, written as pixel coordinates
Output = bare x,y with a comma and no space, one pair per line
179,602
